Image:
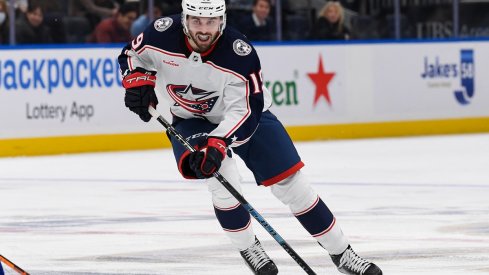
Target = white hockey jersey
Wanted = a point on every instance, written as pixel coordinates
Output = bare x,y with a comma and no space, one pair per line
223,85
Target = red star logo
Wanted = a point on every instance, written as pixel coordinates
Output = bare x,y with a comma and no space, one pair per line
321,79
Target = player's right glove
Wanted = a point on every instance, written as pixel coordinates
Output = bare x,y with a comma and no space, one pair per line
140,92
208,158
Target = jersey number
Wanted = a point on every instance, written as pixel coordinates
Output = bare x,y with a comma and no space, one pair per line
257,80
136,43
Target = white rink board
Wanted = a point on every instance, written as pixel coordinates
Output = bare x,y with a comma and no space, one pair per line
377,82
76,91
62,92
403,91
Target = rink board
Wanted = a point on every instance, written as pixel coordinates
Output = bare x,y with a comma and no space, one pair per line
67,100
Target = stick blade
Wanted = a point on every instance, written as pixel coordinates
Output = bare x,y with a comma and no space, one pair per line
7,267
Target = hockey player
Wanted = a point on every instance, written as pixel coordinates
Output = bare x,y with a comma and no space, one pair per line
211,77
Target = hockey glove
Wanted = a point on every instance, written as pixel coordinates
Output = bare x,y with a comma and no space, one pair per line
208,158
140,92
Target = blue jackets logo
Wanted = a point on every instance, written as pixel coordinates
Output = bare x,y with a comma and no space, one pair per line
456,76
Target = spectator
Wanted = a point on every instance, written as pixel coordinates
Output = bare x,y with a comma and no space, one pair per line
312,6
330,24
54,15
4,28
140,24
171,7
21,5
29,27
258,26
116,29
94,10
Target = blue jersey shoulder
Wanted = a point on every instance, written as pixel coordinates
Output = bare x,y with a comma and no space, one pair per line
235,52
165,33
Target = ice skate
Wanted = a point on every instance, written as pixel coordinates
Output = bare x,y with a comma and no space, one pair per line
258,261
349,262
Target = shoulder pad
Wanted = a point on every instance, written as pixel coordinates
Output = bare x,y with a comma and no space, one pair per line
163,24
236,53
241,47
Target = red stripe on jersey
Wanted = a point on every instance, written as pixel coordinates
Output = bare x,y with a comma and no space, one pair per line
228,208
161,51
187,43
327,229
248,112
237,230
226,70
180,165
129,62
237,143
308,209
283,175
255,84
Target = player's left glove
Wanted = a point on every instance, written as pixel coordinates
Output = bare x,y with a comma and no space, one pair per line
140,92
208,158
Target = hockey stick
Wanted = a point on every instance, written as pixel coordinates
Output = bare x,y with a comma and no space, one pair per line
173,132
12,265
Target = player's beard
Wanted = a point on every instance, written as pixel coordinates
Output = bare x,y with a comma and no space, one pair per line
203,41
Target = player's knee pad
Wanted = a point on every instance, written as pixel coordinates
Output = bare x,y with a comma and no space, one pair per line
220,195
296,192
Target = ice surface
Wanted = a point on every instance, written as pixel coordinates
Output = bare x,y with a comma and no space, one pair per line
413,205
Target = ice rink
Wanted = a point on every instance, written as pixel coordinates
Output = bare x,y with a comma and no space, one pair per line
412,205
